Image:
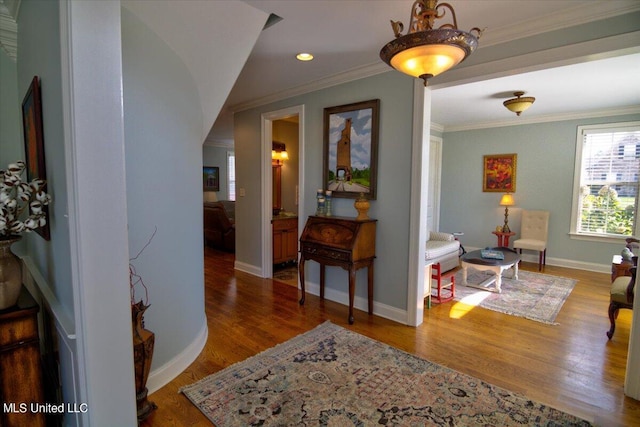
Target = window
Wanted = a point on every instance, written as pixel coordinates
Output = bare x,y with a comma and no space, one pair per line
605,193
231,167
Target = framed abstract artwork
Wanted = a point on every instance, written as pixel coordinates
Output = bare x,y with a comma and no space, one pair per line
351,149
211,178
34,143
499,173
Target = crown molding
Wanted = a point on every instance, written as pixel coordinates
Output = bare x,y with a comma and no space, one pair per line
12,7
568,18
218,144
545,119
9,28
334,80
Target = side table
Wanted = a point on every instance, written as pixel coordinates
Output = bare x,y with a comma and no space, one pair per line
620,267
503,238
20,369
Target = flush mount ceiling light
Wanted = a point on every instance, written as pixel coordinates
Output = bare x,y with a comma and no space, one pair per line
519,104
304,56
425,52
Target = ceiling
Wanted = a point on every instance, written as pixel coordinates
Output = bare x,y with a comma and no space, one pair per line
346,37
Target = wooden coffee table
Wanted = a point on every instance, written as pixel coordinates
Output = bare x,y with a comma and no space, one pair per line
498,266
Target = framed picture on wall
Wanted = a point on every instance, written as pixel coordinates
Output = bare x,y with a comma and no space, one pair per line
34,143
351,149
211,178
499,173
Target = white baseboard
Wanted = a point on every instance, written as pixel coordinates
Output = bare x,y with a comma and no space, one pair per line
248,268
379,309
562,262
161,376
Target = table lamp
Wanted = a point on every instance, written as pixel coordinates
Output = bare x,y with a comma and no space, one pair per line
506,201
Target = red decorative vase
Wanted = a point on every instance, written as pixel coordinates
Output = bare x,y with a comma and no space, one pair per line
143,343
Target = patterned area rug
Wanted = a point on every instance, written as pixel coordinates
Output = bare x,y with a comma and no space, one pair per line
533,296
288,275
331,376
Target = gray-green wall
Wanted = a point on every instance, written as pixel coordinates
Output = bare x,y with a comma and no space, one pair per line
163,153
217,156
391,208
544,181
10,118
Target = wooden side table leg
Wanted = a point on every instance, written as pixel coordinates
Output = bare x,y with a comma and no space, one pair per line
370,286
322,269
301,273
352,291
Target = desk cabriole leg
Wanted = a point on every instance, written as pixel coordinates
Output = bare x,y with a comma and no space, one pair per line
370,286
301,272
352,291
322,271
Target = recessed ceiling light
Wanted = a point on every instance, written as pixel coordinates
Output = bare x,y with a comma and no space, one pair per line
304,57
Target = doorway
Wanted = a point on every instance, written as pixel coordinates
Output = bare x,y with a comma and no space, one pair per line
284,165
433,196
286,127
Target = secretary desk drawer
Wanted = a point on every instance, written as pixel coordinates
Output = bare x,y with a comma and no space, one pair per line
310,250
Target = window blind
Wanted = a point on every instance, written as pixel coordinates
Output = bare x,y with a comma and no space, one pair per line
609,181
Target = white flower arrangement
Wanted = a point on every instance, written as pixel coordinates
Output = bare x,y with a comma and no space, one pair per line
16,196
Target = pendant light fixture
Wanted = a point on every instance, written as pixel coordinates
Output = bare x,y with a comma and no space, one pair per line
425,52
519,104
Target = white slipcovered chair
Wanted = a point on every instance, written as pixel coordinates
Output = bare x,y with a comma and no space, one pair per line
534,230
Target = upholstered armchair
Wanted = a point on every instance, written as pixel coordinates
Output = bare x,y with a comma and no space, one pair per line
622,293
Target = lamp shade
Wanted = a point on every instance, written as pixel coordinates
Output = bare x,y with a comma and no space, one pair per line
507,200
519,103
279,151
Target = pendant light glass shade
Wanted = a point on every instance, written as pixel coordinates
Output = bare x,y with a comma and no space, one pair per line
425,52
519,104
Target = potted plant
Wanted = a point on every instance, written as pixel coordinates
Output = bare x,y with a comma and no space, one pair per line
21,210
143,340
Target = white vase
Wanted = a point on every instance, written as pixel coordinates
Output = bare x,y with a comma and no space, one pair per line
10,273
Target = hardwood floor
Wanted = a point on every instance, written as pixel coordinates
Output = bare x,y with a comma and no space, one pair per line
571,366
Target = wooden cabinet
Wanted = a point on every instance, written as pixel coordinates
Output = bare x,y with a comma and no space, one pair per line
341,242
20,369
285,239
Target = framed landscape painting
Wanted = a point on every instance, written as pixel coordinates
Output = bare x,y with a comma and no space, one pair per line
34,143
351,149
499,173
211,178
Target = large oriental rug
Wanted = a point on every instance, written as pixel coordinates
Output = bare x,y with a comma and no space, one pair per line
533,296
331,376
